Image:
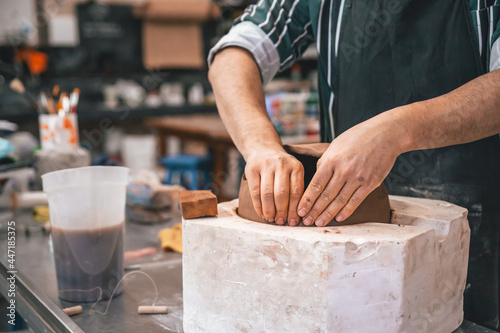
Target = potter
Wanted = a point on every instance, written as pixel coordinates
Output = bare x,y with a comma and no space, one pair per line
428,80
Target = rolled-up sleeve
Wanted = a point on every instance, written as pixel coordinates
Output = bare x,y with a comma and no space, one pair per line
275,32
494,18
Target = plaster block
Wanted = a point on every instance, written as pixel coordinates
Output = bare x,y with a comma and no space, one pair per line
407,276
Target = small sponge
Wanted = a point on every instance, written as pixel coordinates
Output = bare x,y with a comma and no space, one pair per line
171,238
197,204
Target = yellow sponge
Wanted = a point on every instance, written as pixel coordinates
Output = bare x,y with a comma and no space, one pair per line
171,238
41,213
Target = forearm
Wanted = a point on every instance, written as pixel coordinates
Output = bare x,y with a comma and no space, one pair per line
466,114
359,159
275,178
237,86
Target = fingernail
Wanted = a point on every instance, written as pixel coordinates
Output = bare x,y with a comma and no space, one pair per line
292,222
320,222
339,218
271,219
302,212
280,221
308,220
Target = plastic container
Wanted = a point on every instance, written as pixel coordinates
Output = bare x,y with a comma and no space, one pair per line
139,152
58,131
87,215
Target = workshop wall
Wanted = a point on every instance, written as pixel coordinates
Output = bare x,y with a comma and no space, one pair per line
131,61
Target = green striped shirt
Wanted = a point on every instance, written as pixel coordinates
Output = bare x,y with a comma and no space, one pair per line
277,32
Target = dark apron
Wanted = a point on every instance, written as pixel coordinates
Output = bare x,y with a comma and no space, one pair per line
393,53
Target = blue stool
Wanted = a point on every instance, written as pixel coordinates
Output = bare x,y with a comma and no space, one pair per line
191,165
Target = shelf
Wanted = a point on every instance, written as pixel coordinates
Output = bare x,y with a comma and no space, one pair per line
22,114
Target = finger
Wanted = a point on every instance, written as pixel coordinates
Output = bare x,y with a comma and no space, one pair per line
316,186
357,198
337,204
326,197
253,179
296,191
267,195
281,196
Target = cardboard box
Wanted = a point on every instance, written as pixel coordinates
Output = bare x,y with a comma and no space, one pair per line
172,36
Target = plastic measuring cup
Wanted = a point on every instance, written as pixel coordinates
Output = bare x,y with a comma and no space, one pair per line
87,216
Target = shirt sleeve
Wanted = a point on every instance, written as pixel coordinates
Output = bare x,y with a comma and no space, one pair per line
494,18
275,32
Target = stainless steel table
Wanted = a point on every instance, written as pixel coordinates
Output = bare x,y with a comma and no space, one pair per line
36,287
38,302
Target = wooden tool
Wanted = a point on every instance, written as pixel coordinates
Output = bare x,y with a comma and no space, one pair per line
18,87
74,310
152,309
197,204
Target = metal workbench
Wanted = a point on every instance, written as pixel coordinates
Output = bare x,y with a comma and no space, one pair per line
36,288
37,299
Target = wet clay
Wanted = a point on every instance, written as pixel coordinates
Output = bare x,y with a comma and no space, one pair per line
86,259
375,207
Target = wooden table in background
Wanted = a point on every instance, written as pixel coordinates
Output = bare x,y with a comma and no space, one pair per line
209,130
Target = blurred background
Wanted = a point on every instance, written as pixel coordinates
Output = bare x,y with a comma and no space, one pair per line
124,82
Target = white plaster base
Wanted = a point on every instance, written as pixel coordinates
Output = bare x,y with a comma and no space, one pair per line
408,276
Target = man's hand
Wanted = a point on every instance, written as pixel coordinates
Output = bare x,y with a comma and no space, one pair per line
276,183
275,178
352,167
359,159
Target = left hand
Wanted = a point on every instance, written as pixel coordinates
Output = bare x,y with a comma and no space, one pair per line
354,164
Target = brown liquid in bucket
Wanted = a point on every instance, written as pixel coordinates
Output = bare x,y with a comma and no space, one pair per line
87,259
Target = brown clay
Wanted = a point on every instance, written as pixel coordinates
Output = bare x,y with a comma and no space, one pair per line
375,207
197,204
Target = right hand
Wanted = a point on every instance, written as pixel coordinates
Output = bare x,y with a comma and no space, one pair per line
276,184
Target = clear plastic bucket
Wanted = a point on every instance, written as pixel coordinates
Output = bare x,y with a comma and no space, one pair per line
87,216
